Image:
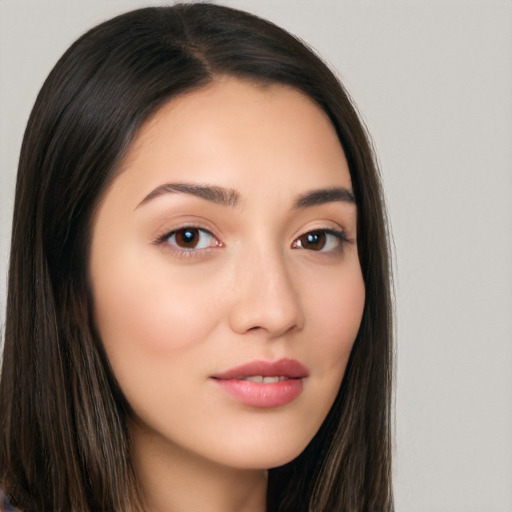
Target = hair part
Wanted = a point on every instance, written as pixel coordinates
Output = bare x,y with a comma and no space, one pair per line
61,413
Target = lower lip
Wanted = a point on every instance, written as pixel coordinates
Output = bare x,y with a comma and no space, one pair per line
258,394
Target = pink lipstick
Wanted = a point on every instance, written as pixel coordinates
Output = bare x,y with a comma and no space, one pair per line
263,383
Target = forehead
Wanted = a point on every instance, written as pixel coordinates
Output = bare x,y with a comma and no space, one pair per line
239,134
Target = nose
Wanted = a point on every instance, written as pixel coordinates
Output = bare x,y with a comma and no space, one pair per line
265,297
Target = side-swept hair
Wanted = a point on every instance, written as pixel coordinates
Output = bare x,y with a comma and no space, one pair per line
64,444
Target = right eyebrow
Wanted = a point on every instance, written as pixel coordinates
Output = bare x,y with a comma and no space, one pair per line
219,195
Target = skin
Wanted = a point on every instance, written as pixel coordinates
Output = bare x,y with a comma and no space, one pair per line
248,287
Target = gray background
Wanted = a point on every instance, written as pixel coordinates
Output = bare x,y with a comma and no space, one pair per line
434,83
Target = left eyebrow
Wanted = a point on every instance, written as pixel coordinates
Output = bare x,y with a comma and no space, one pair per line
324,195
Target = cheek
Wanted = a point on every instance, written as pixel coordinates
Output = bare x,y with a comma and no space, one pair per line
337,311
143,312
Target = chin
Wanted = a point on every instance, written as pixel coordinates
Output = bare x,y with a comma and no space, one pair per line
270,455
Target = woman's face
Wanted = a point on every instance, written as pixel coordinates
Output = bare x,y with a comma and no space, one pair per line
225,274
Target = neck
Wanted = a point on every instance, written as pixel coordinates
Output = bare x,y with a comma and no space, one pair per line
173,479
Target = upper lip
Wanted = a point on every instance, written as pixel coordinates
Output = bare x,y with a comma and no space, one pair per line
282,368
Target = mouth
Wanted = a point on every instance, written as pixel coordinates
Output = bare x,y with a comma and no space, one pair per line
264,384
282,369
263,380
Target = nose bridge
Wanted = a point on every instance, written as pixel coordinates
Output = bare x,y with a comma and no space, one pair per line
266,297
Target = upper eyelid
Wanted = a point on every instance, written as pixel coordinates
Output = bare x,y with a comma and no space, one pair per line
329,226
164,230
337,233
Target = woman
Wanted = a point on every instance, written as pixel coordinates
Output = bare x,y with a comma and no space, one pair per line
198,309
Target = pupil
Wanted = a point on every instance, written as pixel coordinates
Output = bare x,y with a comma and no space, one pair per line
187,237
315,240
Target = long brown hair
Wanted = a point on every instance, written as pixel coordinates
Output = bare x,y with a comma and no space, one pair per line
64,444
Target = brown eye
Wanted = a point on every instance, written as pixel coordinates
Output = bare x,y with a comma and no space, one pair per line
325,240
187,238
314,240
190,239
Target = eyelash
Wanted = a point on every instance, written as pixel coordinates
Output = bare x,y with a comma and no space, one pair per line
339,236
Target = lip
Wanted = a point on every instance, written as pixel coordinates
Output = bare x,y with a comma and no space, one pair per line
260,394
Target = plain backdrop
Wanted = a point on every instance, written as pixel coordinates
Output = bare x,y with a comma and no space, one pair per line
433,81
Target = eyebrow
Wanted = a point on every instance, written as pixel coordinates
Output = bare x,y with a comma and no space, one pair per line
323,196
219,195
230,197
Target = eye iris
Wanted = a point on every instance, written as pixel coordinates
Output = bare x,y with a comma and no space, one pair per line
187,238
315,240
